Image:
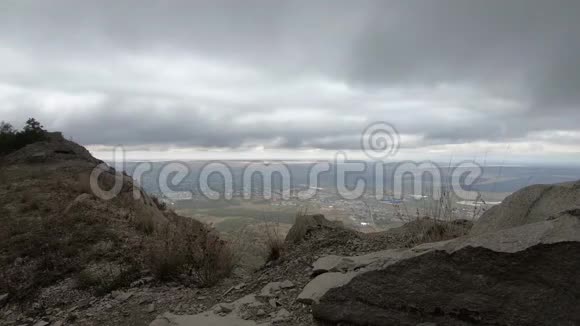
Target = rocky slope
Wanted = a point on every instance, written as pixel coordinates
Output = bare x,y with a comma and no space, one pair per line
515,273
70,258
62,247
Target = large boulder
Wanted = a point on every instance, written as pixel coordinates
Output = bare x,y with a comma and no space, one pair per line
531,204
522,271
474,285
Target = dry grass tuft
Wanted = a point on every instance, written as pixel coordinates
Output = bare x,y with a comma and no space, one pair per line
274,241
189,251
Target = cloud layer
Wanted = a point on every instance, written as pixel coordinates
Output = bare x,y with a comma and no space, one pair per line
295,75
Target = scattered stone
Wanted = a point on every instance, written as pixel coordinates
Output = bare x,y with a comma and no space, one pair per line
273,303
281,316
151,308
239,286
270,289
326,264
145,300
124,297
260,313
287,285
224,308
143,281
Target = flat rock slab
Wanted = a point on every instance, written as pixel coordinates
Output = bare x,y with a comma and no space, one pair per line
168,319
314,290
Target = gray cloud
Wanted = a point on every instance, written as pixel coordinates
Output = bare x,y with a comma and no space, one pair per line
292,74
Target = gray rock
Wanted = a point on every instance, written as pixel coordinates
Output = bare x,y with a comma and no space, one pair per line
529,205
326,264
304,223
270,289
281,316
273,303
287,285
224,308
519,276
123,296
314,290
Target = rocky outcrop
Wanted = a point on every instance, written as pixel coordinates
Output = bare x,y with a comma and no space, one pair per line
54,148
531,204
537,286
518,272
307,223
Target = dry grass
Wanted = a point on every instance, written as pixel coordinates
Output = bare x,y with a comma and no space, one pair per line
145,224
274,241
436,221
110,279
39,253
429,230
189,251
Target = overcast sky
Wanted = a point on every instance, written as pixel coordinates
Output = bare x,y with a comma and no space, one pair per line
190,79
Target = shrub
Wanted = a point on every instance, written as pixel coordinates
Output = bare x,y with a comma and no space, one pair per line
108,279
189,251
12,140
145,224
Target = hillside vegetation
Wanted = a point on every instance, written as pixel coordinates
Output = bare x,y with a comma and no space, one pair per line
55,230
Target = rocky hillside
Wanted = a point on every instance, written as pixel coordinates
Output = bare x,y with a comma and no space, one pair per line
60,244
70,258
514,273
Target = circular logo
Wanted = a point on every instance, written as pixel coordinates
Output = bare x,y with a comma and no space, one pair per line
380,140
